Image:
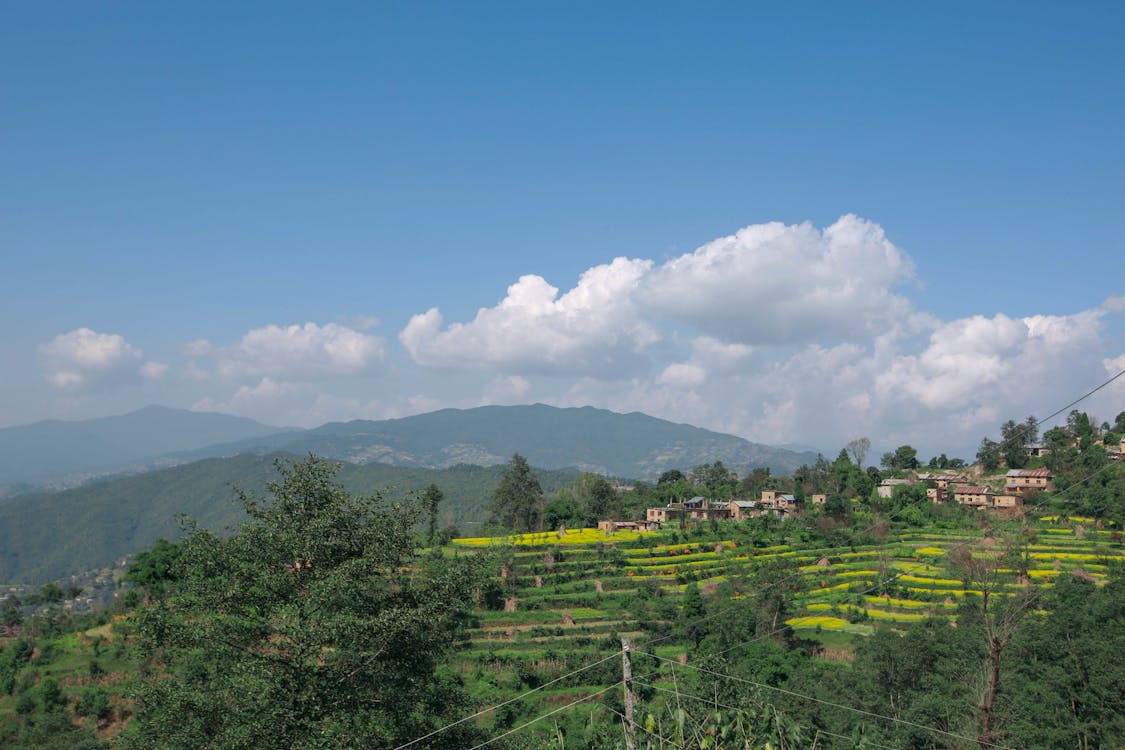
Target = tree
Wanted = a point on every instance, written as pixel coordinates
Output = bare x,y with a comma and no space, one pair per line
313,626
671,476
518,499
431,499
858,449
904,457
717,478
988,454
1015,440
155,568
597,495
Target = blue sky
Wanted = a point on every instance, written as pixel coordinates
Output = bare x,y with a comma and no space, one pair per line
205,206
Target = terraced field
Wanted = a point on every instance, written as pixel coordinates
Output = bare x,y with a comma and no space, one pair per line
568,600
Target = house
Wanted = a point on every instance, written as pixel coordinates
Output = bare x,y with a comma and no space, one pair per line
1037,450
973,496
742,509
818,499
886,488
1007,502
665,514
702,508
776,504
935,494
612,527
1023,481
775,499
944,480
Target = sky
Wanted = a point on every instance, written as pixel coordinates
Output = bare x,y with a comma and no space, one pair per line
800,225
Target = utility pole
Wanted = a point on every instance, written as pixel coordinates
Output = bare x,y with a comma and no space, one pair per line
627,681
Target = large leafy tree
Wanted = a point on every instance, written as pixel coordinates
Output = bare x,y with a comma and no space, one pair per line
311,627
517,502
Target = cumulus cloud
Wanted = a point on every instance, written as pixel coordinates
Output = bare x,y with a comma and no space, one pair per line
768,284
593,327
785,284
1114,304
84,359
153,370
301,353
941,394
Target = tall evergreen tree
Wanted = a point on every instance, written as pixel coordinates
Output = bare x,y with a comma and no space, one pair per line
517,502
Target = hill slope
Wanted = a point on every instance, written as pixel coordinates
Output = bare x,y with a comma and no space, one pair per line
55,449
631,445
48,536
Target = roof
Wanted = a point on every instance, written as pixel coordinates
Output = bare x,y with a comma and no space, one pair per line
1045,473
790,498
895,482
745,503
967,490
697,500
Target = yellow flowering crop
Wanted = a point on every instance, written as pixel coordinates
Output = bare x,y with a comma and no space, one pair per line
812,622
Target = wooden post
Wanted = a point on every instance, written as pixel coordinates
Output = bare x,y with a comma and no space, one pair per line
627,679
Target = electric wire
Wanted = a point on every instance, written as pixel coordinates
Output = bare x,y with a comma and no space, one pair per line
794,694
714,614
482,712
682,694
526,724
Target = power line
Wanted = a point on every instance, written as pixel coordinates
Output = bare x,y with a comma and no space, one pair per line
711,615
1082,398
525,725
644,729
510,700
682,694
834,705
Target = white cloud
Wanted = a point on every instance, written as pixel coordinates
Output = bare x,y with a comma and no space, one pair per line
305,353
197,348
941,394
153,370
767,284
682,375
784,284
1114,304
592,328
84,359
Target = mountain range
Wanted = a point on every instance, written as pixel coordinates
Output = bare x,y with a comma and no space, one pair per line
57,455
172,463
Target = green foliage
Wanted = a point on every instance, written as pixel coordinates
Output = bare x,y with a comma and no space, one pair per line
518,500
989,454
903,458
127,515
1015,439
155,567
1063,685
431,499
305,629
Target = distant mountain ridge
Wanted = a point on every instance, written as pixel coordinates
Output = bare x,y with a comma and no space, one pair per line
633,445
48,536
56,449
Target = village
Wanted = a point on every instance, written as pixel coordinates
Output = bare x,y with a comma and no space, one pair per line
1007,494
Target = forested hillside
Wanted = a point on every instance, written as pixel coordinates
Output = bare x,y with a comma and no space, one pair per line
48,536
